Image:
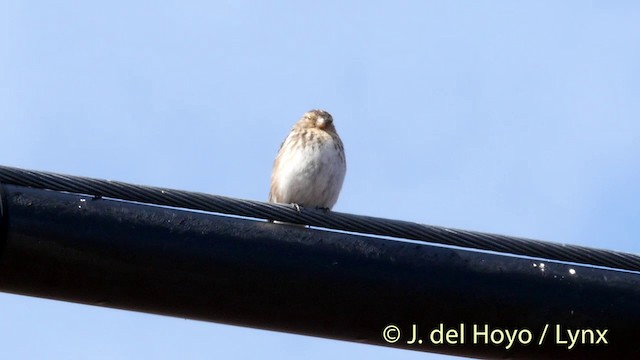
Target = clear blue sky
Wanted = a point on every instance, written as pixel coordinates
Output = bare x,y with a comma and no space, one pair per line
519,118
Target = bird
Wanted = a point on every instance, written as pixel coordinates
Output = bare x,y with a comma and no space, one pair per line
310,166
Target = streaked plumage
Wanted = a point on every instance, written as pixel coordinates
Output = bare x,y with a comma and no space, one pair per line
310,167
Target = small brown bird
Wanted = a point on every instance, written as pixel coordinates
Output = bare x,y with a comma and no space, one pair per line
310,166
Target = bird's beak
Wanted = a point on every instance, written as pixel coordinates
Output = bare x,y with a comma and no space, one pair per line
321,122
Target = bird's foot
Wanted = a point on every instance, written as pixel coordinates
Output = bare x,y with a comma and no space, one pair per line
324,209
297,207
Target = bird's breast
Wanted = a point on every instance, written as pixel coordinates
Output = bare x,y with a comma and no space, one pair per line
312,174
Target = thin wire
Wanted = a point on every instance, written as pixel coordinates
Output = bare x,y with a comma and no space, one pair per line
317,218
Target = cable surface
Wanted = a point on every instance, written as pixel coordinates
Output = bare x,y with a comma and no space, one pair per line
317,218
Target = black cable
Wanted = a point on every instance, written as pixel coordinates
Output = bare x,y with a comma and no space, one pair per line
317,218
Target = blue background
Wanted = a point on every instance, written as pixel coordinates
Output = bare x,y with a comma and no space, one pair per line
519,118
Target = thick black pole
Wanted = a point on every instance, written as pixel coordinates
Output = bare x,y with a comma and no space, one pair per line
287,278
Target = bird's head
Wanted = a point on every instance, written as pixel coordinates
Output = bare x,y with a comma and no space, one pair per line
318,119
